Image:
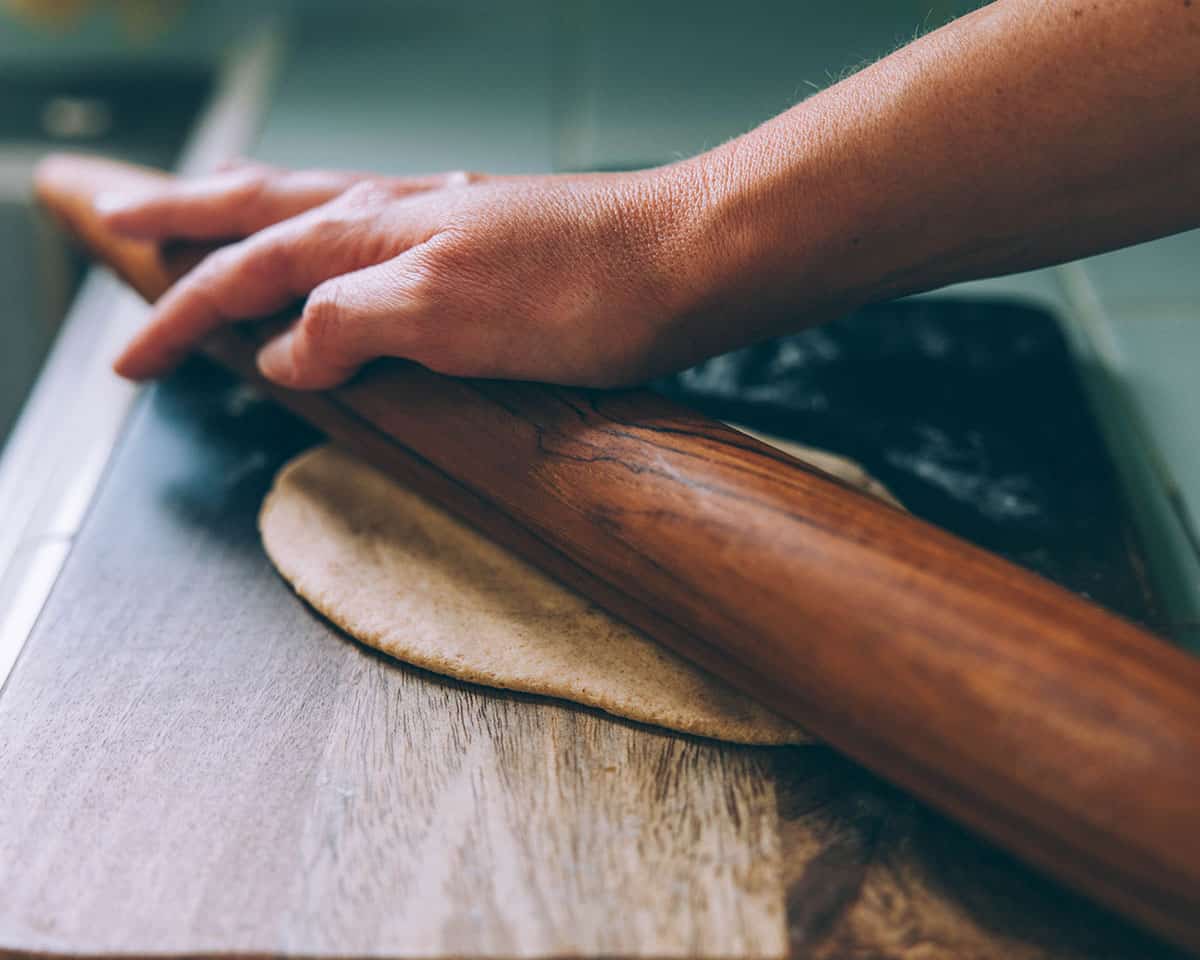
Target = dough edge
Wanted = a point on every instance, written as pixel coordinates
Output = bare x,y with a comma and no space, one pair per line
301,555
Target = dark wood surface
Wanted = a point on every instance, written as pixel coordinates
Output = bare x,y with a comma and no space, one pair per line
1063,732
196,763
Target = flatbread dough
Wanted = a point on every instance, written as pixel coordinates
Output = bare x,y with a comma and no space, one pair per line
403,576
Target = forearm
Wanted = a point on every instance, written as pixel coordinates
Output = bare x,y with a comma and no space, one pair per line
1028,133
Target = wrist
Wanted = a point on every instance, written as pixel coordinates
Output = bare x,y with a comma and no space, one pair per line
746,241
764,245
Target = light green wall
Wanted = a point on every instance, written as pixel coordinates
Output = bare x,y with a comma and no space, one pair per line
207,26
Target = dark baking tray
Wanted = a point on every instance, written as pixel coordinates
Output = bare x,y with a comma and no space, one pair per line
970,411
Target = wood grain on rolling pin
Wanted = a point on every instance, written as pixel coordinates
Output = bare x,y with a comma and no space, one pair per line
1053,727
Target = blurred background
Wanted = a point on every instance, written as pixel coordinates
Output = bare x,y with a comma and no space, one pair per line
538,85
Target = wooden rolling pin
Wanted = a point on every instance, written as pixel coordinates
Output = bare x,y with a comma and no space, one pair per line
1060,731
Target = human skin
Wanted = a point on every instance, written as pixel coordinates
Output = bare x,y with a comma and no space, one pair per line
1027,133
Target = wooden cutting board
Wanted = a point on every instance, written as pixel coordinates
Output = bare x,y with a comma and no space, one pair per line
195,763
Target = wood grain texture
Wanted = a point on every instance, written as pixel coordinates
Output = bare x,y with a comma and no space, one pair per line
194,763
1056,729
871,872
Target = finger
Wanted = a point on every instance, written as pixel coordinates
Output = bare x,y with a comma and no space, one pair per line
225,286
244,199
261,275
347,321
232,204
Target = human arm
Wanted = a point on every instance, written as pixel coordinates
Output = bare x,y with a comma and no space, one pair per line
1027,133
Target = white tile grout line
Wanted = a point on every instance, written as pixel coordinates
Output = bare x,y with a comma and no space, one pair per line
226,126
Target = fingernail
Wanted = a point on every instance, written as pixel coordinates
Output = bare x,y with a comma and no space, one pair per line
275,359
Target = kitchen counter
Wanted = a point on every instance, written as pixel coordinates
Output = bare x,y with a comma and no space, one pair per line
197,764
202,765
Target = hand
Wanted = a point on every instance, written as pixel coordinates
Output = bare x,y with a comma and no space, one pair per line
568,279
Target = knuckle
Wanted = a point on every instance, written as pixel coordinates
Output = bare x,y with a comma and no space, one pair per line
243,196
221,263
367,194
446,254
322,321
328,225
427,279
344,233
271,258
248,184
246,264
461,178
353,207
448,266
246,261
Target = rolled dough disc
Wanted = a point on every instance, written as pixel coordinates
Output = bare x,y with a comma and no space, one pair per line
403,576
